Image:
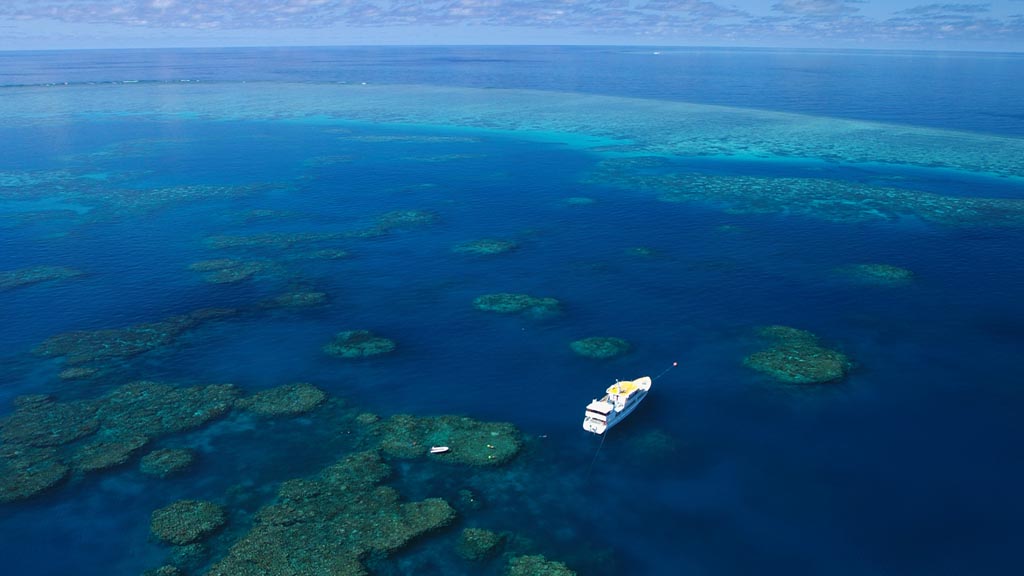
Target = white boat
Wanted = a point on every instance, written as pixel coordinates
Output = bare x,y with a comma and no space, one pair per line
619,400
439,449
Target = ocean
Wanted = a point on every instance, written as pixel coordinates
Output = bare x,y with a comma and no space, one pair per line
199,217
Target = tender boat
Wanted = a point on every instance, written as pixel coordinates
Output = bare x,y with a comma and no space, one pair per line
619,400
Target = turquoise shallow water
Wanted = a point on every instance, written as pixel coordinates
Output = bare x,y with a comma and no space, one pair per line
679,228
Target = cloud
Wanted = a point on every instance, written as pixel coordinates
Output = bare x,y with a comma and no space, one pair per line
930,9
693,8
691,21
816,8
238,14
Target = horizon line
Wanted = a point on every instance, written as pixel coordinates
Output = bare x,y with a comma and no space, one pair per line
526,45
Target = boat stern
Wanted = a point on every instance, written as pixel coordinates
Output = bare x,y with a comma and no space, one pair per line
595,419
594,425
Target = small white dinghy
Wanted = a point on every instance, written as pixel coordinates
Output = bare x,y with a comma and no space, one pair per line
439,449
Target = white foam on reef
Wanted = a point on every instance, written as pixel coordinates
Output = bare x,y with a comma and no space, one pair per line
604,124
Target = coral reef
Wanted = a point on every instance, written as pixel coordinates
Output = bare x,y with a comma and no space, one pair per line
78,373
506,303
230,271
264,214
469,500
287,400
81,347
40,421
405,218
166,570
187,521
470,441
213,265
486,247
832,200
166,461
367,418
108,449
603,124
600,347
537,566
478,544
879,274
190,557
358,344
795,356
328,523
325,254
27,276
298,299
44,441
273,240
364,233
25,472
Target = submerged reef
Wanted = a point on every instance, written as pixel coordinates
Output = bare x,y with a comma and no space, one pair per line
324,254
273,240
411,138
796,356
112,195
266,214
604,123
287,400
394,220
486,247
406,218
27,471
327,524
78,373
12,279
506,303
832,200
600,347
879,274
469,441
166,570
230,271
537,566
166,461
187,521
478,544
578,201
107,449
297,299
358,344
80,347
43,441
644,252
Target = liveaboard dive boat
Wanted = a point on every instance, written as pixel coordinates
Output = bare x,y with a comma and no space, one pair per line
619,400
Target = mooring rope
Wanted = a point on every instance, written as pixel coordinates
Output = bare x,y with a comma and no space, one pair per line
594,459
665,371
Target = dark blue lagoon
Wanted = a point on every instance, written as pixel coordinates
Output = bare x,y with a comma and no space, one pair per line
243,292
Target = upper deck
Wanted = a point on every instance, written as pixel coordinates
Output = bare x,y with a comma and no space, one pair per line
625,388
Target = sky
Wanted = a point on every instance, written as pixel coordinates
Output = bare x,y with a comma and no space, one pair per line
886,24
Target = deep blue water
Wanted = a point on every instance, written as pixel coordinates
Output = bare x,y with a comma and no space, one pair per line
910,465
